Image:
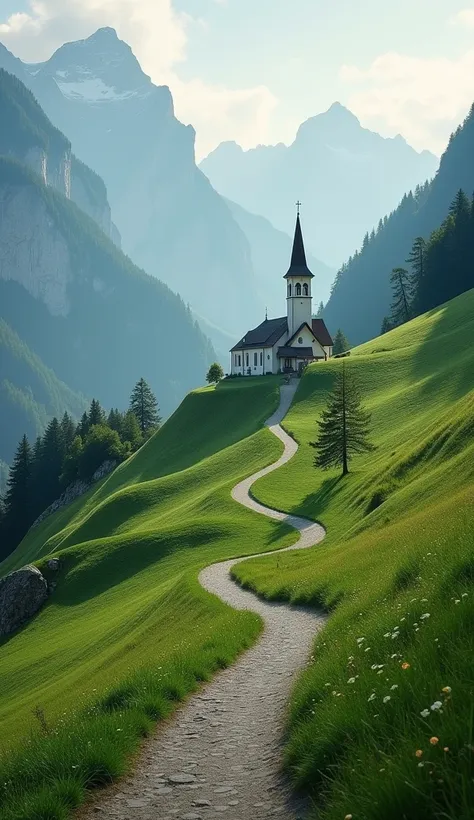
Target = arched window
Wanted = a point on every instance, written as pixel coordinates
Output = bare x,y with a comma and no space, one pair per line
289,288
305,289
298,289
300,340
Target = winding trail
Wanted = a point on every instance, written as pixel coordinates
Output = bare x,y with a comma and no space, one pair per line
220,756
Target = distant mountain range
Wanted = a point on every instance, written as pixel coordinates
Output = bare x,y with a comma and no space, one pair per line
346,177
362,294
79,318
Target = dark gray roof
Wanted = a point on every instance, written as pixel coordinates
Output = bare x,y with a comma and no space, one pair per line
321,332
298,266
295,353
265,335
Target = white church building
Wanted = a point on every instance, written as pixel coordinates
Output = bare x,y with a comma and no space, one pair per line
286,344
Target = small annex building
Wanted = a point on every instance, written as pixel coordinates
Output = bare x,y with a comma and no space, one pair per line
289,343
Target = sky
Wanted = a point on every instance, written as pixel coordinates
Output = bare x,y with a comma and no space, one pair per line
253,70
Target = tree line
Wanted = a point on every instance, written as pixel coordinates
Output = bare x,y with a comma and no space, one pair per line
438,269
68,451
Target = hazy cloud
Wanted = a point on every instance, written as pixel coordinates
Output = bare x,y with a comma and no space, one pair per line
158,36
464,17
424,99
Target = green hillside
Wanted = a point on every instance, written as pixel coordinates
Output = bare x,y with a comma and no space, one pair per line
396,569
128,596
112,649
30,393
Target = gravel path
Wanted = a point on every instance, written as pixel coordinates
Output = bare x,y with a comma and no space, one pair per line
220,756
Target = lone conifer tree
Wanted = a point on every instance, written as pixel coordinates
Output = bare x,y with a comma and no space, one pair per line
215,373
320,310
340,343
401,302
145,407
344,425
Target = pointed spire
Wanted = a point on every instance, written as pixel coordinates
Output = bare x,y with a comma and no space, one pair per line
298,265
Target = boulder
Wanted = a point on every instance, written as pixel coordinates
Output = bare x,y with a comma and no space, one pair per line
53,564
22,594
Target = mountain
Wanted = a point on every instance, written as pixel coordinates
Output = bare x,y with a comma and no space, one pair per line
345,175
271,253
74,299
28,136
30,393
362,293
172,222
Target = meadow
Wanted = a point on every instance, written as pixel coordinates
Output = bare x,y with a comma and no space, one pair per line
129,631
381,721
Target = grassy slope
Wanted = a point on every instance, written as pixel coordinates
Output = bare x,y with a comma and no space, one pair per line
128,598
399,546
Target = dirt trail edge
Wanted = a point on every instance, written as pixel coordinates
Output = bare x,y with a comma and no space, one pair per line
220,756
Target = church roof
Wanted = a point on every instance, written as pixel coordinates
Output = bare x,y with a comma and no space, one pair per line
265,335
321,332
298,266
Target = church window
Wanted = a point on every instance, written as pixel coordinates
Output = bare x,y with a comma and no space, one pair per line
255,359
289,288
305,289
298,289
300,340
247,357
268,357
261,358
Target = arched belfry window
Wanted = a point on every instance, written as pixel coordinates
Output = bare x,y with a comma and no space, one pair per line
305,289
289,288
298,289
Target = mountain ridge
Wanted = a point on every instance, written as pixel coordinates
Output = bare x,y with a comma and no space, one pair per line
344,174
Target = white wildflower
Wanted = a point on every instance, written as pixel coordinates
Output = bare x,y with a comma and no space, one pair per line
425,713
395,686
425,616
386,699
351,680
436,705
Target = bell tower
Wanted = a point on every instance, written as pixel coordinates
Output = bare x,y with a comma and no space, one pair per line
298,283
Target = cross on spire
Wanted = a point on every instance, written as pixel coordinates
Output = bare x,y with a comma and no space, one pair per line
298,206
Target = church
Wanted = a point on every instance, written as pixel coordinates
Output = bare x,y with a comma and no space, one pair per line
289,343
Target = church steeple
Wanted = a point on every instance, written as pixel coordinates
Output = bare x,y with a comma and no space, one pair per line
298,265
298,288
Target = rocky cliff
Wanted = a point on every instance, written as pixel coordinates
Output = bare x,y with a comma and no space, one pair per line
28,136
171,220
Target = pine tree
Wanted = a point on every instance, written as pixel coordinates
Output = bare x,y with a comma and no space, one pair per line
19,510
143,403
386,325
320,310
96,414
344,425
416,260
401,302
215,373
83,426
68,431
340,343
50,465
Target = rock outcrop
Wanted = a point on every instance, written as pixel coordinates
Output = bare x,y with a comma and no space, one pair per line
22,594
75,490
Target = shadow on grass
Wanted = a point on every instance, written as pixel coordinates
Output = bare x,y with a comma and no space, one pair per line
455,323
314,504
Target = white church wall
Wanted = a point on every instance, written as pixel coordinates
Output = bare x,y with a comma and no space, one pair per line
253,360
275,360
